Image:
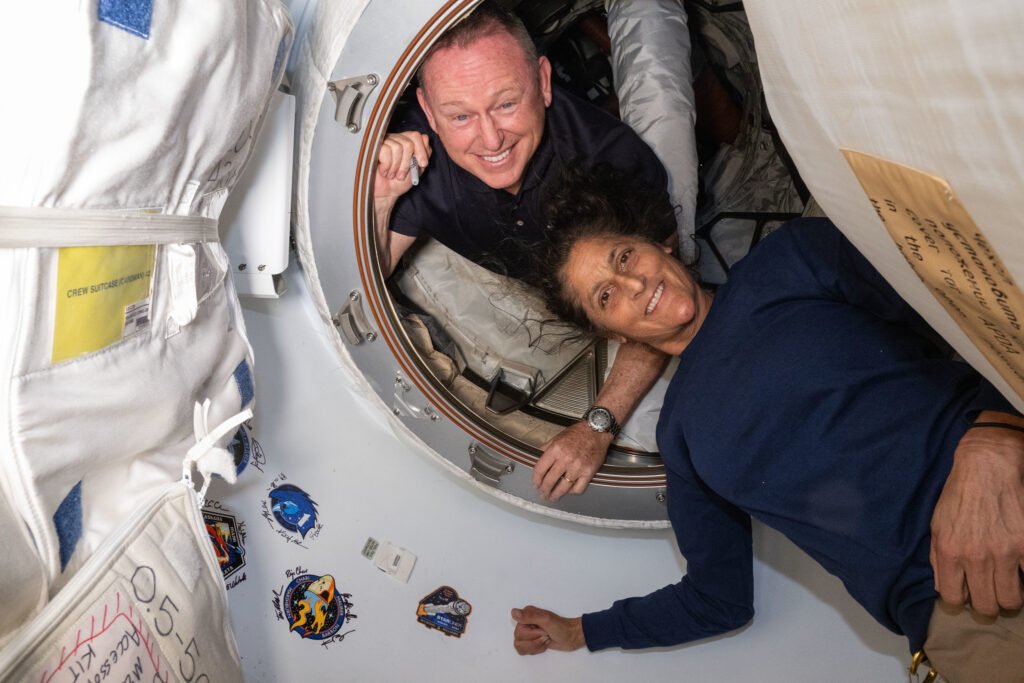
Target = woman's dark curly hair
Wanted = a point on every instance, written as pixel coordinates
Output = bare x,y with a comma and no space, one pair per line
583,204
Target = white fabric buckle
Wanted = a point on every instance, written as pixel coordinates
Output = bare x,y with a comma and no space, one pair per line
207,457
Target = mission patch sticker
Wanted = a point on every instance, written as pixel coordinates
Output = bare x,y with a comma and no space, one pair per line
227,536
313,607
445,611
291,512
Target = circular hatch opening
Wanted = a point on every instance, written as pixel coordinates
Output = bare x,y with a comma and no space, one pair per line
463,358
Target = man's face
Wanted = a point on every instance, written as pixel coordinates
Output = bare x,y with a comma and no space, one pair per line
486,103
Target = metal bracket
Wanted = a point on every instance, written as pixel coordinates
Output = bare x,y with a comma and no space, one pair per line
486,467
512,388
350,94
352,322
401,406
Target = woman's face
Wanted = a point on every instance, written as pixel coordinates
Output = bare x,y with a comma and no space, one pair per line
634,290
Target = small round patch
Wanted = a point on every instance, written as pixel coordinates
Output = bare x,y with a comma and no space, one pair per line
293,508
313,608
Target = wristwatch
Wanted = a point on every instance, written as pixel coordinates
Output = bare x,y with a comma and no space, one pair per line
601,419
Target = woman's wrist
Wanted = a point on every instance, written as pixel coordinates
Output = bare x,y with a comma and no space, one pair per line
578,639
992,419
994,437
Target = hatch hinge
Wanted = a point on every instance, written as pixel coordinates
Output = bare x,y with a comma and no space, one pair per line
350,95
487,467
352,322
402,407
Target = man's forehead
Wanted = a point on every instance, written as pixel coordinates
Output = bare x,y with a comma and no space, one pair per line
458,97
494,55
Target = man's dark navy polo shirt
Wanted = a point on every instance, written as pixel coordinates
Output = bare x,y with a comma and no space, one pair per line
493,227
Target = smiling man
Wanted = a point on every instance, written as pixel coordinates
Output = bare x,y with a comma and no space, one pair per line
490,135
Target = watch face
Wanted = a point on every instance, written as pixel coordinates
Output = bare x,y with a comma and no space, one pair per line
600,419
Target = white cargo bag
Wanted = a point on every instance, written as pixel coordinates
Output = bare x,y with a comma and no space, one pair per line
149,605
124,126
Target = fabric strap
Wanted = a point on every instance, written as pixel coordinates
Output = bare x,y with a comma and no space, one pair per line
206,454
22,227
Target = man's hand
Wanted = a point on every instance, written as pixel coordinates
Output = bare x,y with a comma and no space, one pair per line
392,180
977,527
538,630
570,461
394,163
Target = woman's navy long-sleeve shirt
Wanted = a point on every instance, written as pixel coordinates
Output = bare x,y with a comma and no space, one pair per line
815,400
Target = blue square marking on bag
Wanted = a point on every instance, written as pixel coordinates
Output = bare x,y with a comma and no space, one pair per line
68,522
243,378
133,16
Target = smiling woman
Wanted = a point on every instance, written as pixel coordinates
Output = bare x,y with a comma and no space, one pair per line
806,320
606,273
636,288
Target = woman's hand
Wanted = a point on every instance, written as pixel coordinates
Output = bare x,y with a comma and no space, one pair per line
977,548
538,630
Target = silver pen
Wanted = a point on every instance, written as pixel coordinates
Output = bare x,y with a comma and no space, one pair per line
414,169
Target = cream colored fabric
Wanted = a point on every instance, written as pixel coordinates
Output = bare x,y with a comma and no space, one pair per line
964,647
23,588
492,319
931,85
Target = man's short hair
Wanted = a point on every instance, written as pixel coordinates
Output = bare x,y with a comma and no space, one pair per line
487,19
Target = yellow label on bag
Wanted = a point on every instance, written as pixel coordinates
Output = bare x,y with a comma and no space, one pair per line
951,255
102,297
